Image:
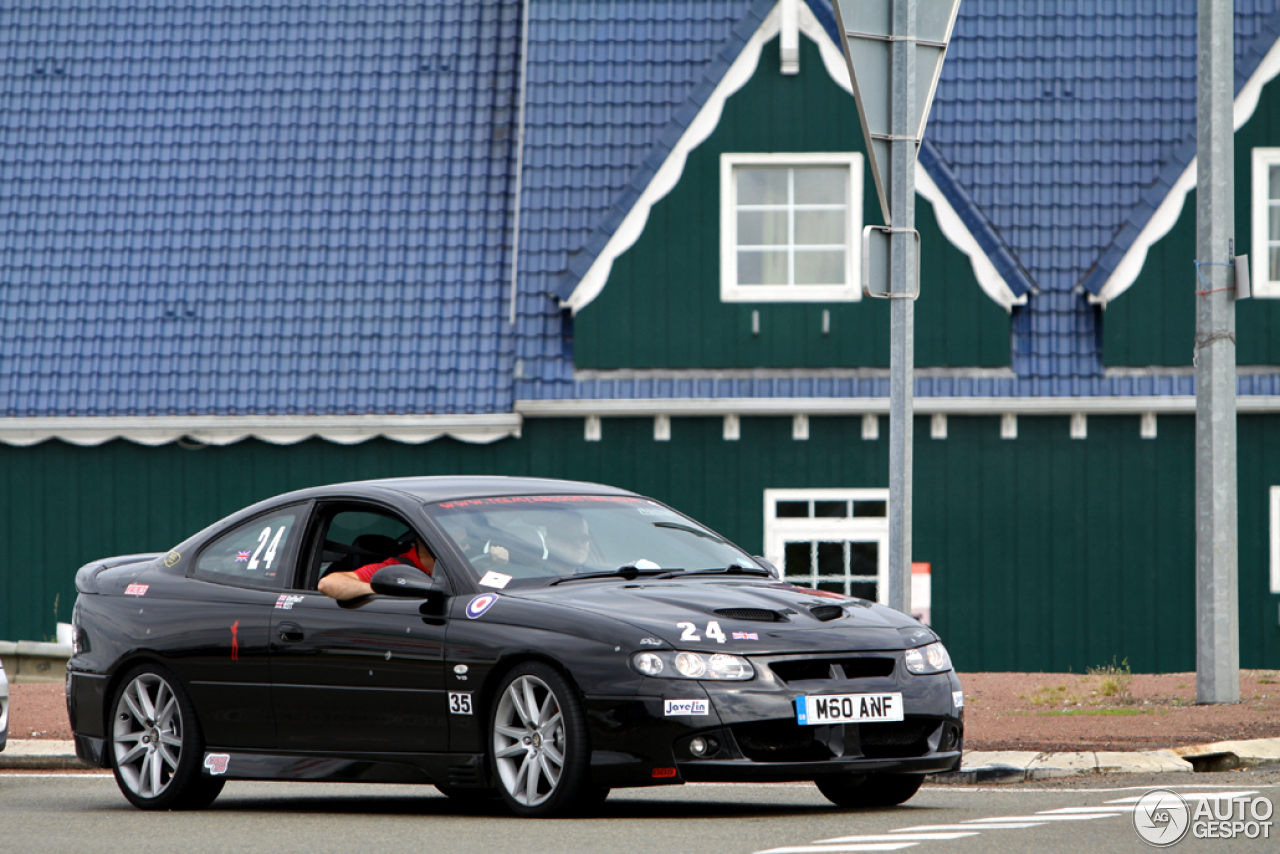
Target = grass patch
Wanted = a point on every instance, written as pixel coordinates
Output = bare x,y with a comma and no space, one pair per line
1106,712
1114,681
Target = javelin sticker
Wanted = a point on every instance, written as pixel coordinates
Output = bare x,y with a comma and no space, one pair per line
477,606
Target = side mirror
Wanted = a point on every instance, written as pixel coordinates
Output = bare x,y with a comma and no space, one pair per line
407,582
767,564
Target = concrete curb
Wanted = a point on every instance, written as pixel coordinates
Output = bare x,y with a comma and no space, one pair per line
1010,766
1020,766
42,754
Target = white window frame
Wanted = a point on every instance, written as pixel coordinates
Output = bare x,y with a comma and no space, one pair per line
1260,283
860,528
730,290
1275,539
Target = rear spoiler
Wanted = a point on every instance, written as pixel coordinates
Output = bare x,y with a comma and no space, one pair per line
86,576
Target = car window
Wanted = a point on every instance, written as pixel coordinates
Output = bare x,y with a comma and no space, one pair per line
525,541
254,552
356,537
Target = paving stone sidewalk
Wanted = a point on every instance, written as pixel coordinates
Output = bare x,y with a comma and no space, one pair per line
1008,766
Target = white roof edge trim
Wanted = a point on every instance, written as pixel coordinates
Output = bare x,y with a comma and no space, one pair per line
668,175
789,406
991,282
1170,209
275,429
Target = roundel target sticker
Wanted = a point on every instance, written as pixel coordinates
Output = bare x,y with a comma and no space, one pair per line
477,606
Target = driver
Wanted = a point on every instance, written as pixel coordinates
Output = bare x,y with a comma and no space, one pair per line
568,543
351,585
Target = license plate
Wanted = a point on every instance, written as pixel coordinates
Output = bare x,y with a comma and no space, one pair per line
848,708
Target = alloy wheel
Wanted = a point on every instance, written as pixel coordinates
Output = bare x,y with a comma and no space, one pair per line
529,740
147,735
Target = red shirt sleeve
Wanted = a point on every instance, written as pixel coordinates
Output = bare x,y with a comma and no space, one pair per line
365,573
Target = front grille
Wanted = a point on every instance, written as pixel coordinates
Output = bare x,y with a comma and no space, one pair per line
820,668
862,668
779,741
826,612
897,739
796,671
755,615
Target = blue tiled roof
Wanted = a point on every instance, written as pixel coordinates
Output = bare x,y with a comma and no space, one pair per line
611,86
1067,127
256,208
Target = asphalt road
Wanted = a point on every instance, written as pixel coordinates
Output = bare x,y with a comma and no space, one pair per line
48,814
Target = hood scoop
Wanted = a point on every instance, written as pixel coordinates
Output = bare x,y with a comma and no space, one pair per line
751,615
826,612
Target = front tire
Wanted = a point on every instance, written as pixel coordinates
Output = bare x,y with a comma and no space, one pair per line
155,743
870,790
540,749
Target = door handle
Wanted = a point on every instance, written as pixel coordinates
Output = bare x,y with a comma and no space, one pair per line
289,632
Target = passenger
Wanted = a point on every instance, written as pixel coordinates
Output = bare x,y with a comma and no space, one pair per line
352,585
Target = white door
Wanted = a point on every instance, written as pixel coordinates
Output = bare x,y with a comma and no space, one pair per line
830,539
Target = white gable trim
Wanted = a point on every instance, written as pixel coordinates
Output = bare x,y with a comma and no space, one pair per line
1170,208
991,282
742,70
276,429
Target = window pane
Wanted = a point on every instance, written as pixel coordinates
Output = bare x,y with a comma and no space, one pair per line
820,268
832,586
253,552
761,186
1273,222
762,268
864,558
864,590
831,558
821,186
793,509
869,508
796,560
1275,264
1273,175
760,228
820,227
831,509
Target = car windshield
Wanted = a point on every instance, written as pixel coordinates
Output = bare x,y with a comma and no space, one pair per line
536,540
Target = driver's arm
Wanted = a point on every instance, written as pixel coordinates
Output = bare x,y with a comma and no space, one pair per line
344,585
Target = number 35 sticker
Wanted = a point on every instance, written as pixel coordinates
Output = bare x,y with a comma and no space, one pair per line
459,702
690,632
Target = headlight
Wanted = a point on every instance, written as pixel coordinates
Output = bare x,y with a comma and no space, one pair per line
693,665
928,659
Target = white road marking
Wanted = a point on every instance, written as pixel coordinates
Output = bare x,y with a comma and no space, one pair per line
1040,817
1010,826
887,837
1193,796
816,849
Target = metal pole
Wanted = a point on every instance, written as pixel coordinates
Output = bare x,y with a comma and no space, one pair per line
902,201
1217,607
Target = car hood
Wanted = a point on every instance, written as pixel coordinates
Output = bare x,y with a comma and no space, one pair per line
657,609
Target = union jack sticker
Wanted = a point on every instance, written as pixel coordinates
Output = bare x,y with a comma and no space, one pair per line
242,557
746,636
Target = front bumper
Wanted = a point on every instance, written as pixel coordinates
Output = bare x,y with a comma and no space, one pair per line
751,732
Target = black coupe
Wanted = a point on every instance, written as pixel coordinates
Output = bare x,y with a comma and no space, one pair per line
560,639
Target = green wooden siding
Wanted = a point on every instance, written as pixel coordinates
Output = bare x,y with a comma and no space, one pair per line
664,292
1153,323
1048,553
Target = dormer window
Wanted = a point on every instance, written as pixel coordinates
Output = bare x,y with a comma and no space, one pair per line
790,227
1265,251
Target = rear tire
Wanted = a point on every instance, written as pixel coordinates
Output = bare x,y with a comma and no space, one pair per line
870,790
538,743
155,745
